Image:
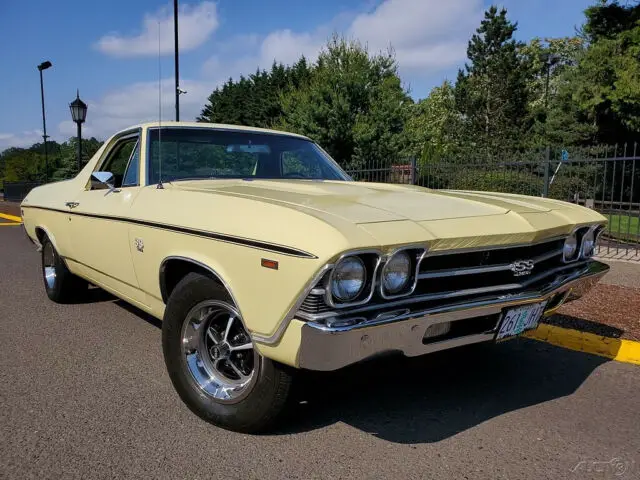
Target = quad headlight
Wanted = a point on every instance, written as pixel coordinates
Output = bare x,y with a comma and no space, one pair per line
396,274
590,240
348,279
570,250
581,244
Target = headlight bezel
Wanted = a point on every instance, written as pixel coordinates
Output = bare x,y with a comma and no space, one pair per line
415,254
578,248
581,233
596,231
371,259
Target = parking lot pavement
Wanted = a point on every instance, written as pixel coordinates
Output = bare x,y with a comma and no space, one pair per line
84,394
11,208
623,274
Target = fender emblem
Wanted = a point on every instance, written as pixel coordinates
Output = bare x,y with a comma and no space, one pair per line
139,244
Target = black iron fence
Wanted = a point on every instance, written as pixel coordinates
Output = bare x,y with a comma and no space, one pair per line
606,179
16,191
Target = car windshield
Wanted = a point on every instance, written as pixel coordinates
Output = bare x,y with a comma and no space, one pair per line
204,153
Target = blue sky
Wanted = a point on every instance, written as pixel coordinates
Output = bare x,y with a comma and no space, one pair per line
109,50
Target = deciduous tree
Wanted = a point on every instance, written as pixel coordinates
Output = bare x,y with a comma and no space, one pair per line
354,105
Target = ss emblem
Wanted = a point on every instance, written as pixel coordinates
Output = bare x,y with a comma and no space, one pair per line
522,267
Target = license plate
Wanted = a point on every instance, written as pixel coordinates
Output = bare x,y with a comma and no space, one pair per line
520,319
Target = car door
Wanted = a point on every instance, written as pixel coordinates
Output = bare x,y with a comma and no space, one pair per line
100,219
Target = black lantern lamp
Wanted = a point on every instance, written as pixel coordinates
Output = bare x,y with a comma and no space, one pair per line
78,114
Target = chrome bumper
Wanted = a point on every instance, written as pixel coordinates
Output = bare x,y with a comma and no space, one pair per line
330,348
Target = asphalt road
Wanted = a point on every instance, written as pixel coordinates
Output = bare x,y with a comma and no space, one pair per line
84,394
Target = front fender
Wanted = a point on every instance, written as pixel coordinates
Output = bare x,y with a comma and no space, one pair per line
262,295
52,224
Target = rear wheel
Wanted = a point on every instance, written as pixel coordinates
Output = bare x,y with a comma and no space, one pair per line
212,362
60,284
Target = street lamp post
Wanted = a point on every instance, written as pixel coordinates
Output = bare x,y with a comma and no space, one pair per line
41,67
550,60
78,114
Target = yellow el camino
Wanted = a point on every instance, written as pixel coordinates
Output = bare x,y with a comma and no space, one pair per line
262,256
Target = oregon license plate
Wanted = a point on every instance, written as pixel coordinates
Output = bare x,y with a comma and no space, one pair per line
520,319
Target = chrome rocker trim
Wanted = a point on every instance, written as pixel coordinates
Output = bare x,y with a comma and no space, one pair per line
330,348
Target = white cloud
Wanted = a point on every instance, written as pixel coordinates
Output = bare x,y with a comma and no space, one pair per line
196,24
220,70
429,37
287,47
138,103
22,139
426,34
246,53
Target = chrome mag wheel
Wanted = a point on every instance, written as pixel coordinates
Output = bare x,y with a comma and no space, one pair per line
218,351
49,265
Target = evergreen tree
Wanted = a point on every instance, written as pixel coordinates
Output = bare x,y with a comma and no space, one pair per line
608,19
255,100
492,92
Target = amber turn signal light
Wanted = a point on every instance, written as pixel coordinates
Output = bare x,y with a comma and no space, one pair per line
272,264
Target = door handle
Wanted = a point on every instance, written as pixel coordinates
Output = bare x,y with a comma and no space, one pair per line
72,204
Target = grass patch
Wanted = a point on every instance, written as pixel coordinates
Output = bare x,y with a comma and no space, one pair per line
624,227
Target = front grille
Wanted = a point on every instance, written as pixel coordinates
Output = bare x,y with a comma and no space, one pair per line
451,278
486,271
483,258
314,303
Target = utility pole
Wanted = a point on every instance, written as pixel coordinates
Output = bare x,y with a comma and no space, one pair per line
41,67
177,69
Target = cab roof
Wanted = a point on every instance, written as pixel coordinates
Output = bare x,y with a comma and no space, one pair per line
212,126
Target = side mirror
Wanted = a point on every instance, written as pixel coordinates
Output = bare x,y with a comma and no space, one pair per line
102,181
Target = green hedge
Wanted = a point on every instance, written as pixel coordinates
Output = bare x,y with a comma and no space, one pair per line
525,180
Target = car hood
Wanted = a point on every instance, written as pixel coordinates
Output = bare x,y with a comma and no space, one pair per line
363,203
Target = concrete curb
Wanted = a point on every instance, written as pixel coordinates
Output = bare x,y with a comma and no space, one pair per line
13,220
10,217
617,349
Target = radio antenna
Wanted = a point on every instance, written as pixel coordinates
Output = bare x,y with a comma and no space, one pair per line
159,186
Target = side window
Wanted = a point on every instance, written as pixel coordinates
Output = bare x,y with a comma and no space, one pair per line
131,176
300,164
118,160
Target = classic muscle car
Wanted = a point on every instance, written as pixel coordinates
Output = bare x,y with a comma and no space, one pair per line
261,256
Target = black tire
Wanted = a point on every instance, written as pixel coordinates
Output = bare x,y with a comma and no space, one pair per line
62,286
268,391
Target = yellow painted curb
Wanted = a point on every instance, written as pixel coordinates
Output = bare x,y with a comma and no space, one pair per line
13,218
9,224
617,349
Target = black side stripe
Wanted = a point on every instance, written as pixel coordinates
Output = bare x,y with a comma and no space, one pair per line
246,242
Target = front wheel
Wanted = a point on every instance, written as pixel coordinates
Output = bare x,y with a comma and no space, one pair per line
212,362
61,285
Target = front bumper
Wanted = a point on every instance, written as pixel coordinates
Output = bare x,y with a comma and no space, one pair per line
330,348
